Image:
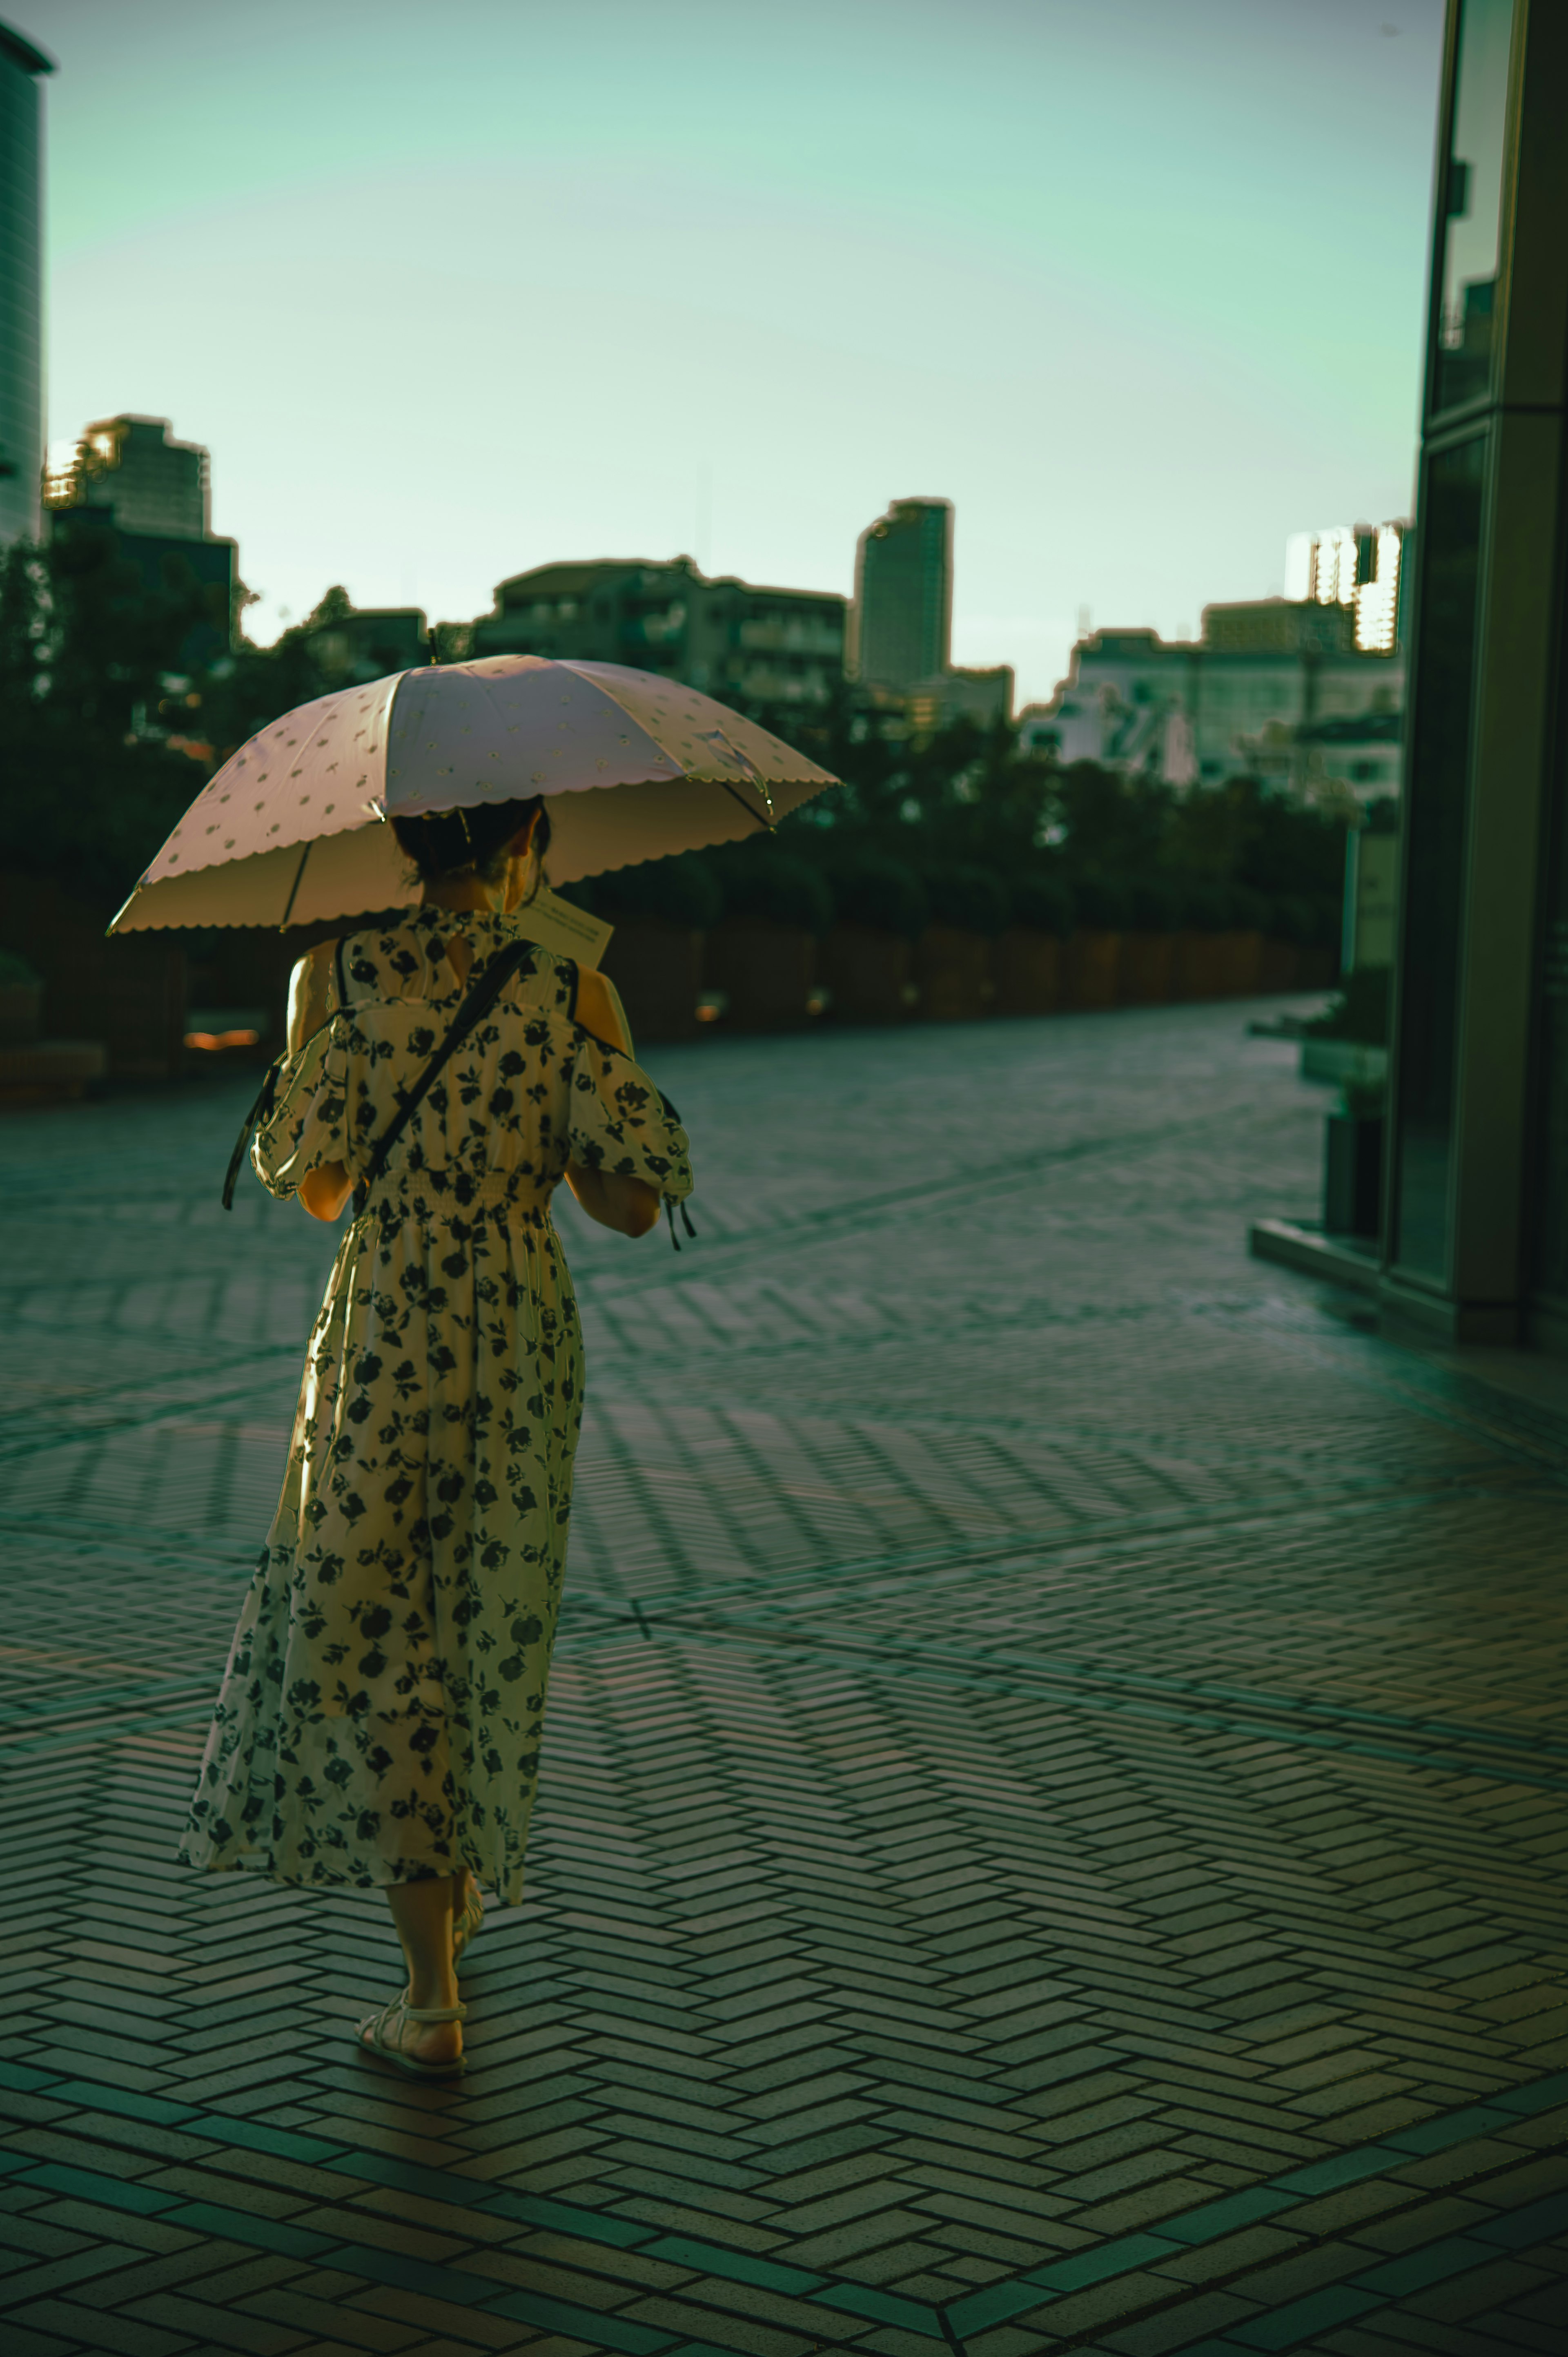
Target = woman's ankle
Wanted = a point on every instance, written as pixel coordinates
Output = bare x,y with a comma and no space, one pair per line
433,1995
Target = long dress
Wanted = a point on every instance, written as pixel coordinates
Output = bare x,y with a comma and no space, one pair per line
380,1716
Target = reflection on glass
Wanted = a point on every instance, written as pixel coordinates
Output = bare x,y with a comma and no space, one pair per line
1434,819
1550,1174
1475,192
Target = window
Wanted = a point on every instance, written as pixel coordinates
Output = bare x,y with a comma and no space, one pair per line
1463,323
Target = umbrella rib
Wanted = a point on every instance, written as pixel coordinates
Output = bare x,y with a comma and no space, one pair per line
294,894
767,825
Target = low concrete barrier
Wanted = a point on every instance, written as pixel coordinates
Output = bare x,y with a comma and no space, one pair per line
1094,965
952,973
131,994
658,969
1028,967
1144,975
869,975
765,970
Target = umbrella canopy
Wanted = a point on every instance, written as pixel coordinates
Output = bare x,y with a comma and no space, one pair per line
291,830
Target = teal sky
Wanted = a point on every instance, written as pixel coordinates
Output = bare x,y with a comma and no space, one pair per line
452,290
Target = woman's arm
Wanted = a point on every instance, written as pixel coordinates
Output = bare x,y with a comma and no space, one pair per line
629,1206
323,1191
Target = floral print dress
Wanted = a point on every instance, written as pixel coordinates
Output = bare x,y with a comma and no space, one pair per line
380,1716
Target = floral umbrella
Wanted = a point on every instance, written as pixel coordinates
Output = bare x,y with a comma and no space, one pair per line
292,828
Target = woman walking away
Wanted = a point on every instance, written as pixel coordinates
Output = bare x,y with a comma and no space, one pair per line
380,1716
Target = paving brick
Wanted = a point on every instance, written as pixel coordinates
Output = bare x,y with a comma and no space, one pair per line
105,2333
352,2327
834,1953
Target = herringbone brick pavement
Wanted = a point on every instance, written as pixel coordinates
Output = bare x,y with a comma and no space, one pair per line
1053,1794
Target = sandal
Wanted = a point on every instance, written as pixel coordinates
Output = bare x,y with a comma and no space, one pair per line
372,2037
464,1926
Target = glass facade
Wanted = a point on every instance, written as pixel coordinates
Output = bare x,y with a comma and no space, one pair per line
1465,313
1435,813
21,343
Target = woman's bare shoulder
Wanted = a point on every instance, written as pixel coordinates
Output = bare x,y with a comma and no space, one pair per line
599,1008
317,958
308,992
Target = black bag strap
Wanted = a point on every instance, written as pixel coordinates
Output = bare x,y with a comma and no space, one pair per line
262,1107
261,1111
482,998
266,1095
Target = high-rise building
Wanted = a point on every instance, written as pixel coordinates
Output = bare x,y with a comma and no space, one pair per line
1358,566
901,624
21,283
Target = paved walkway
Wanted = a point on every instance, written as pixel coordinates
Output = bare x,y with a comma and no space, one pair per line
1055,1775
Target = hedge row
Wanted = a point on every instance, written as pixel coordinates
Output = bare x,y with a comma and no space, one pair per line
697,889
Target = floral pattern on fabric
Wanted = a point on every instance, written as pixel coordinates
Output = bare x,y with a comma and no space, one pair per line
381,1713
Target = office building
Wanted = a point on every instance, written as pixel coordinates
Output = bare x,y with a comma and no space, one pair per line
1476,1226
154,484
22,67
1474,1242
131,495
901,627
742,643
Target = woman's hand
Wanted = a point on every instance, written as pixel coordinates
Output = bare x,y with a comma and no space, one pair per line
325,1190
629,1206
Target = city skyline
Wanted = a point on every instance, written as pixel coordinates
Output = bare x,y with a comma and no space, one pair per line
723,293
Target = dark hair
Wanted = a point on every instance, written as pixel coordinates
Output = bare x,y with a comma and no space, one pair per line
450,842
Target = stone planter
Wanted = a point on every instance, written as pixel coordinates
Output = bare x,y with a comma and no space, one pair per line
657,968
1029,970
765,970
1343,1063
1277,964
953,970
21,1012
1144,975
868,974
1093,962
